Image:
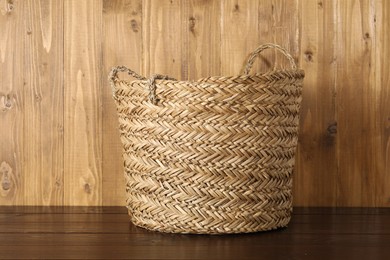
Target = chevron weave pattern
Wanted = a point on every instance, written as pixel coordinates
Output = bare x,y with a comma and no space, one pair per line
210,156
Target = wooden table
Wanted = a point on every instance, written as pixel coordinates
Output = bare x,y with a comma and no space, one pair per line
106,233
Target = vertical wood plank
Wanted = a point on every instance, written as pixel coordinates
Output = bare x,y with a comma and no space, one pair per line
355,103
11,103
162,23
83,102
239,34
43,103
278,23
268,13
315,180
37,39
204,33
247,24
381,124
286,29
122,45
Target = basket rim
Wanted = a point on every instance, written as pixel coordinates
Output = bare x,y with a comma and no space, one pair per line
276,74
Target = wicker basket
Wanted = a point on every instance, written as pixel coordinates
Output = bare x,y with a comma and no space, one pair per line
210,156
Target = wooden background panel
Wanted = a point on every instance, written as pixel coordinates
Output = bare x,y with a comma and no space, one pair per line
278,22
11,103
381,96
315,181
43,102
162,34
239,31
122,44
355,86
204,36
59,132
83,102
32,99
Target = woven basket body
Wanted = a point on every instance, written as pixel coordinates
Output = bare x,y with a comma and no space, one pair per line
210,156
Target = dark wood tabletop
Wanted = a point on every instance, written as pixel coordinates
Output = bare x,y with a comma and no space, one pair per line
106,233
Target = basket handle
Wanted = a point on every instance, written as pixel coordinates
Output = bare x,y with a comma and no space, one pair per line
263,47
113,75
151,82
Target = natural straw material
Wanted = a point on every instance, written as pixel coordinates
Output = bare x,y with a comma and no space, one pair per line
210,156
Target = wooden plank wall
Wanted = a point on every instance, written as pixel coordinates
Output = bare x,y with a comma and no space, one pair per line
59,142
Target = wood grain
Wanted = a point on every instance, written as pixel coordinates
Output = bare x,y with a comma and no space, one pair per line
32,102
83,103
381,98
278,23
162,35
11,103
105,233
43,103
316,172
204,35
122,45
239,34
59,138
355,105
